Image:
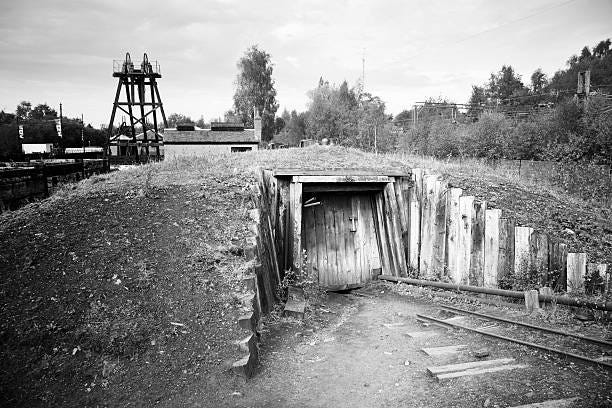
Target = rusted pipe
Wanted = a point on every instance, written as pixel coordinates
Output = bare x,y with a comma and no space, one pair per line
562,300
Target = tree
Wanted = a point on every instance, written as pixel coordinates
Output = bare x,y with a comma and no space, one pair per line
178,118
279,124
6,118
255,89
504,84
23,110
538,81
602,49
43,112
477,98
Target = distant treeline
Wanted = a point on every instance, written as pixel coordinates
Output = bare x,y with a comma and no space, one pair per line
39,127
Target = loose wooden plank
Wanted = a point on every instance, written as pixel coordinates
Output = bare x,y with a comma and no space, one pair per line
478,234
443,351
422,334
560,403
491,249
359,171
558,264
522,249
358,238
415,218
480,371
576,271
428,225
506,248
466,209
452,233
341,179
451,368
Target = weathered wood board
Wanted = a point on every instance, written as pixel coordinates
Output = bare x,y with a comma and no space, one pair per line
558,264
464,253
576,271
492,247
453,223
478,235
522,249
415,218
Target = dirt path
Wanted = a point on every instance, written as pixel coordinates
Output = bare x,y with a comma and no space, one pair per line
364,358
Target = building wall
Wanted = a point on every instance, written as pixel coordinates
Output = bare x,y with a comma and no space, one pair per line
29,148
202,149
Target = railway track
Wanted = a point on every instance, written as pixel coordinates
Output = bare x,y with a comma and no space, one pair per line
577,347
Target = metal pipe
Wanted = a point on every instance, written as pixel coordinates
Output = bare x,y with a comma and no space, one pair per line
531,326
562,300
513,340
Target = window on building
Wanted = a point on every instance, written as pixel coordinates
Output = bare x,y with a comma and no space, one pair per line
237,149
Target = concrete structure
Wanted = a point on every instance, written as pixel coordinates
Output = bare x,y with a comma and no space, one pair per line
220,138
122,145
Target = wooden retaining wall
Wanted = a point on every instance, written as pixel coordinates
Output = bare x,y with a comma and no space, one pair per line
18,185
425,229
463,241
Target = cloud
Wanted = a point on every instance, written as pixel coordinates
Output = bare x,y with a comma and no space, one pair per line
290,31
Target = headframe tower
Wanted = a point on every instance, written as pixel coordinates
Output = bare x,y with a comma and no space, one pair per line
138,80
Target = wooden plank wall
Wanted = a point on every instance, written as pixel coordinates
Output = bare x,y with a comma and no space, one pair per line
427,229
456,238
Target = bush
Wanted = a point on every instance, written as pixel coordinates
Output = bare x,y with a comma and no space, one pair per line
489,137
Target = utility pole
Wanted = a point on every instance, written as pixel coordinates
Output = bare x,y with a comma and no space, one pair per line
363,70
375,140
82,133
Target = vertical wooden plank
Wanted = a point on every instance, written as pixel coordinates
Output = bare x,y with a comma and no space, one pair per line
395,237
359,240
604,272
464,252
522,249
310,238
341,231
439,238
478,233
576,271
284,224
428,232
322,255
404,217
453,223
331,247
381,232
491,249
296,210
415,218
507,228
539,256
350,248
372,255
558,264
391,232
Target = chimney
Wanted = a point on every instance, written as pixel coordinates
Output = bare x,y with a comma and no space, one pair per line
257,124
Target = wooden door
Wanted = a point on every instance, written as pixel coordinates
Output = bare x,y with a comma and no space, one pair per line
339,238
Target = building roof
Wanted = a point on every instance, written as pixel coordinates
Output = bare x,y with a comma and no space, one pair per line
210,136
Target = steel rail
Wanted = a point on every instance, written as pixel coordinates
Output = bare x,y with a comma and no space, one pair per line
531,326
513,340
562,300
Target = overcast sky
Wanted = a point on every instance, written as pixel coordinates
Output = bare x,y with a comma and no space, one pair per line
62,50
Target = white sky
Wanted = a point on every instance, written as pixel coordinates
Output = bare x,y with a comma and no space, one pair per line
62,50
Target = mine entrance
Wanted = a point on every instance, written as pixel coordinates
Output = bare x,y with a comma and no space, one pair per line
339,238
